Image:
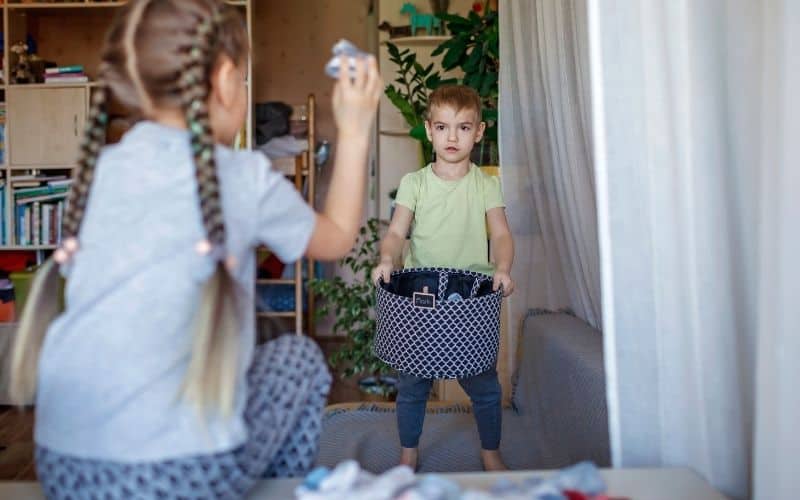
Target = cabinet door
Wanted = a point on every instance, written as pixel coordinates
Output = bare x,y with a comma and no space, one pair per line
45,125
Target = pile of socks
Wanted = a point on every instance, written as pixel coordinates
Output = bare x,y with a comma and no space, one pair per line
348,481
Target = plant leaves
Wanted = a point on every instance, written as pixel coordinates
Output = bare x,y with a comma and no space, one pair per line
419,133
441,48
433,81
454,55
489,84
472,60
402,104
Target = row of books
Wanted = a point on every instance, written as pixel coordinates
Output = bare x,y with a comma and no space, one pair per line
39,223
65,74
37,205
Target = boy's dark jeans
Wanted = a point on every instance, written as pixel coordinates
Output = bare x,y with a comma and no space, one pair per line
483,389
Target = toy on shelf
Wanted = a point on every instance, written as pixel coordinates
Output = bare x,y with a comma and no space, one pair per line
431,23
21,71
395,31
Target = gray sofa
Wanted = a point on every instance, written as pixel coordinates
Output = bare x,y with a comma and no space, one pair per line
558,414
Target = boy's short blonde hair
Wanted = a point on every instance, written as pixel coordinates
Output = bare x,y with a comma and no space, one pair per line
458,96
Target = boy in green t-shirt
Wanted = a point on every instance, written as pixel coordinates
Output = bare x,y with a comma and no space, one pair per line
451,202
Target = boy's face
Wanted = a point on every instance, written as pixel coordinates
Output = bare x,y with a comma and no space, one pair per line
453,133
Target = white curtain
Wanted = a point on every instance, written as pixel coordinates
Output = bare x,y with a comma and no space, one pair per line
696,123
546,157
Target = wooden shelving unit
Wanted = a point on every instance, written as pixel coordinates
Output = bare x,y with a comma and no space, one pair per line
414,41
304,177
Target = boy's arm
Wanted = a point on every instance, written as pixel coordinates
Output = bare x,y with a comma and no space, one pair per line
502,249
392,243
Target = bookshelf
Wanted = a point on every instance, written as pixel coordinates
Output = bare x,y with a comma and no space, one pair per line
42,123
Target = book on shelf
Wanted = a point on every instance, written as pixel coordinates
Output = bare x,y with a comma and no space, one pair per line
36,210
67,78
37,178
35,192
37,199
60,70
63,182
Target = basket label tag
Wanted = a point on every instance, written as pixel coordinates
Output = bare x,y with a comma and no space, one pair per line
424,299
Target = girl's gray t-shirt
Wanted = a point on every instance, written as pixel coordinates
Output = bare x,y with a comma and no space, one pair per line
113,363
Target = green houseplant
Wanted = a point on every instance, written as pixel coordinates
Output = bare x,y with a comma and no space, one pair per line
409,93
475,49
353,306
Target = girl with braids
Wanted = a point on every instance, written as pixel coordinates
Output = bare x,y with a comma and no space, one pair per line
149,384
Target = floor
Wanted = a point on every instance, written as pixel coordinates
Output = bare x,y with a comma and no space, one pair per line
16,429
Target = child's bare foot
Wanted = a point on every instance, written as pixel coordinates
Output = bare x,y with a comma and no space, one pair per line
492,461
410,457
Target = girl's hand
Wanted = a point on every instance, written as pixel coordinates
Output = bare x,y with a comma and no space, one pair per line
503,278
382,270
355,100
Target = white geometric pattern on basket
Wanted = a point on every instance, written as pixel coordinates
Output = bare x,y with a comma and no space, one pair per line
457,339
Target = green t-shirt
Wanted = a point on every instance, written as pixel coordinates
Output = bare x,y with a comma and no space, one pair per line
449,228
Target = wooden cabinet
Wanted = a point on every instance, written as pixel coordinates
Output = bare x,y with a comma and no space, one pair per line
45,125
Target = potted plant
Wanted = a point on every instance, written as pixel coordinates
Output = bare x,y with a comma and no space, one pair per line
475,49
353,305
409,93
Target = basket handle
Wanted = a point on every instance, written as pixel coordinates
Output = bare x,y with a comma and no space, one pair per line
443,279
475,287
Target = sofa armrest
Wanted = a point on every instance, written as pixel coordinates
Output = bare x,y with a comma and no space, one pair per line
559,387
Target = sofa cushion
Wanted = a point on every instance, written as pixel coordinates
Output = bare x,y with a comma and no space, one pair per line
367,432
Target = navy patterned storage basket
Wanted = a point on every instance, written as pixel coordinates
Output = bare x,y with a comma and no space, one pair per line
452,331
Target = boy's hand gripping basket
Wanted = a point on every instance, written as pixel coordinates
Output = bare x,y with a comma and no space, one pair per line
438,323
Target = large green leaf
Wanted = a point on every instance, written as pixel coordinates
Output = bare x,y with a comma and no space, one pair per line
489,84
454,55
419,133
489,114
456,24
442,47
473,80
433,81
473,59
402,104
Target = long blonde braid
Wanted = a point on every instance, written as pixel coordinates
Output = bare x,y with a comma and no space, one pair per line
211,376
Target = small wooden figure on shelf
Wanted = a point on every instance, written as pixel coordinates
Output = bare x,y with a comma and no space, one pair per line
395,31
21,71
431,23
